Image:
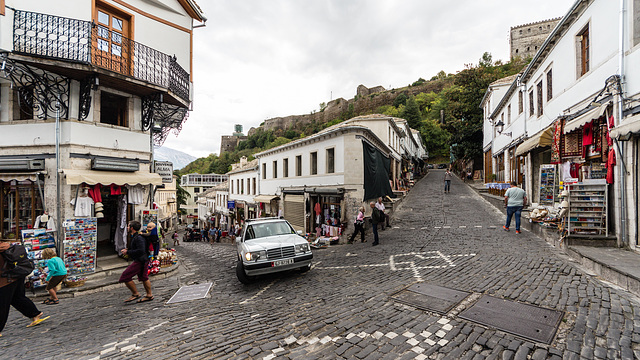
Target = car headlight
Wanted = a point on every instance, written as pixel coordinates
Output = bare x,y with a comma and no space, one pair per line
251,256
302,248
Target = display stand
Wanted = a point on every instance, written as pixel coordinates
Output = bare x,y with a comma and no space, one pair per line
80,241
149,216
547,184
588,209
34,241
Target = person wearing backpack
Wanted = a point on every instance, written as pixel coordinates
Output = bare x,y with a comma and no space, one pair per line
12,286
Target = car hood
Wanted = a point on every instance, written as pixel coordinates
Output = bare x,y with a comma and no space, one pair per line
274,242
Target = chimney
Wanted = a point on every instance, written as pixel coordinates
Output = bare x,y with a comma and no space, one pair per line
243,161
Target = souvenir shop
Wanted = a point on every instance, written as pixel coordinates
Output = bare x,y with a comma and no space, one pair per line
575,173
315,211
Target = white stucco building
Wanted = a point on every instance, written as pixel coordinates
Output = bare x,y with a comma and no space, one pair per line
243,187
556,118
84,95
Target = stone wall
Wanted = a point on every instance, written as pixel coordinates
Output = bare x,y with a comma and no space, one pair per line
365,102
526,39
229,142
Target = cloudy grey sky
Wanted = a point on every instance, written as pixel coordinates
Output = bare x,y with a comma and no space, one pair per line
258,59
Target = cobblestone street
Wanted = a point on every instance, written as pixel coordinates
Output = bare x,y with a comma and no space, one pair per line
342,307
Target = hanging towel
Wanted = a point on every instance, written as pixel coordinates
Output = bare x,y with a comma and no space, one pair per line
135,194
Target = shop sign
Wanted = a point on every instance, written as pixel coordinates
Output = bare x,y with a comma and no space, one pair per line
231,204
165,170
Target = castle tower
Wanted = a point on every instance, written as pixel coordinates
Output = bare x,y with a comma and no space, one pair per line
526,39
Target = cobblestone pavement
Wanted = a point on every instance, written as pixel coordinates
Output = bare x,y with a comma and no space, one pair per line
341,309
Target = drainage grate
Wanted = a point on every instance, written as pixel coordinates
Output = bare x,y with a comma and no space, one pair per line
528,321
430,297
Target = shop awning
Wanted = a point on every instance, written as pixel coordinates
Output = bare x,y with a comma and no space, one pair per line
265,198
625,129
92,177
585,118
543,138
32,176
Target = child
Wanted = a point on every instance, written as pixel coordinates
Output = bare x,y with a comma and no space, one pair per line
57,273
152,237
176,241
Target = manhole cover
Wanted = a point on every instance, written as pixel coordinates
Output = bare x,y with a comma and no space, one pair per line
528,321
430,297
191,292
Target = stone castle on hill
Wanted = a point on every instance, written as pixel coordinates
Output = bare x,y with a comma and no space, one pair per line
525,40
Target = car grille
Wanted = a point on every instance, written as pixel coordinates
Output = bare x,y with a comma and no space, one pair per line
279,253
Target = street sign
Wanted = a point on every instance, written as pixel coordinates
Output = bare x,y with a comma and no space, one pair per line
165,170
191,292
231,204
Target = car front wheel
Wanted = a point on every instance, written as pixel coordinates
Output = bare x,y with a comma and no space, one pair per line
242,276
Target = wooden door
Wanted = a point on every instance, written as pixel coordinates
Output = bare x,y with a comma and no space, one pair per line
111,40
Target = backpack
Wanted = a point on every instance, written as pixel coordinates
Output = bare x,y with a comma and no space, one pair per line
16,262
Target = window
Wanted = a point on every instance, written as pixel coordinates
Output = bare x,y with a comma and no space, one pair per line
254,186
583,54
520,103
238,186
275,169
549,85
111,44
196,190
241,186
509,114
248,185
285,167
539,97
20,204
299,165
232,187
531,104
314,163
330,161
113,109
23,103
264,171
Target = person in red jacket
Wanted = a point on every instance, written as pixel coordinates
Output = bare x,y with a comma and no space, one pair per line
12,293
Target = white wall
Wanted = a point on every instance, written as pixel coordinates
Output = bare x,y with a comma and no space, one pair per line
248,193
271,186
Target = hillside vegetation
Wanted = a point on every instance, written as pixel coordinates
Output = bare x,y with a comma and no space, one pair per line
445,109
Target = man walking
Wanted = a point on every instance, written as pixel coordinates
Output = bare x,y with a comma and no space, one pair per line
447,181
375,219
138,252
383,215
514,200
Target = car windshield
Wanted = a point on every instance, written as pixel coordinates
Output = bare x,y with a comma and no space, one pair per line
256,231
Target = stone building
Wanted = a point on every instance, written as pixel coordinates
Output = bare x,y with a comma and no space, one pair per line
528,38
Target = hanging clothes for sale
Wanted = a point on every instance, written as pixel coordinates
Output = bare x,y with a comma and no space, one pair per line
120,239
135,194
82,206
611,162
116,190
587,134
45,221
94,193
317,208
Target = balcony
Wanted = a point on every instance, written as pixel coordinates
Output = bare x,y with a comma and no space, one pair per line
85,42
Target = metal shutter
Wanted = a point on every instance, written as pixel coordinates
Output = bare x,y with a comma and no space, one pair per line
294,210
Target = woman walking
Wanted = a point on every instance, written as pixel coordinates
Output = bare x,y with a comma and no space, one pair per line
358,226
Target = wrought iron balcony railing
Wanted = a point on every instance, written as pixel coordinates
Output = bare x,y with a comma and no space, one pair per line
86,42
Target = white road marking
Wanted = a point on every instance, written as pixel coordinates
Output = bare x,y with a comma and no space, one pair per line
258,293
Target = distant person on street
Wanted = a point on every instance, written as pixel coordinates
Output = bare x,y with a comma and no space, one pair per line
176,239
358,226
57,273
219,234
212,234
514,200
12,294
375,219
447,181
384,216
138,252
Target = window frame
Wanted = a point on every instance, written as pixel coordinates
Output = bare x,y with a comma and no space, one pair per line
275,169
584,46
313,163
549,85
539,98
298,165
285,167
532,108
330,160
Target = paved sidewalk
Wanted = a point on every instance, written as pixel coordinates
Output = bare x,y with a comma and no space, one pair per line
617,265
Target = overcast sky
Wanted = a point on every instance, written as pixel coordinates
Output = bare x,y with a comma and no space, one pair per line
258,59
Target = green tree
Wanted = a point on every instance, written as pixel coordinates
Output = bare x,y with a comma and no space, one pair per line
401,99
412,113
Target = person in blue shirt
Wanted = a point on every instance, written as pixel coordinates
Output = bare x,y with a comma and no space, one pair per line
57,273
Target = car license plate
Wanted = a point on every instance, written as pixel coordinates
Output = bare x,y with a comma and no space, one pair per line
283,262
